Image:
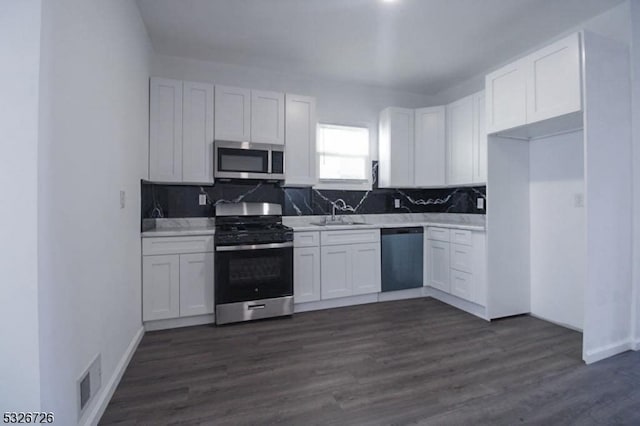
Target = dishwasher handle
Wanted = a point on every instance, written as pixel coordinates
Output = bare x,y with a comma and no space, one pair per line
395,231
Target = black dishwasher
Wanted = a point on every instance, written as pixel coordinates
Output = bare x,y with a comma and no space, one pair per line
402,258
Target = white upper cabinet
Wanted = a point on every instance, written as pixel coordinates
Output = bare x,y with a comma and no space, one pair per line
506,94
430,146
180,131
480,138
233,114
553,80
542,85
460,139
197,132
165,130
267,117
300,132
396,148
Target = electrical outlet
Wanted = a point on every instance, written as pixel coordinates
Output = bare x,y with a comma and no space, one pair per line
202,199
578,199
396,203
122,199
480,203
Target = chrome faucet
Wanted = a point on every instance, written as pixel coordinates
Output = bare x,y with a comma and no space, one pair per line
333,212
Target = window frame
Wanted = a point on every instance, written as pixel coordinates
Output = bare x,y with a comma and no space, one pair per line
344,184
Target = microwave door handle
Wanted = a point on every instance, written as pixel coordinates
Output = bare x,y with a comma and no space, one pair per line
269,160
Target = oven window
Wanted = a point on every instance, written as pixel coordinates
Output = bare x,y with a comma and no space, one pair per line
253,275
243,160
245,271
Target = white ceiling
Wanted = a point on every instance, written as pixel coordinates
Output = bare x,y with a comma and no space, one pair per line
422,46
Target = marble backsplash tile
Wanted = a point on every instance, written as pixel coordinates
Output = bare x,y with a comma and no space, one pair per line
171,201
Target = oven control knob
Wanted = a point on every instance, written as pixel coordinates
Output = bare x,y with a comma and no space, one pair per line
255,289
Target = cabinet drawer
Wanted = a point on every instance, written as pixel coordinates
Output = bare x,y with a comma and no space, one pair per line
332,238
438,234
177,245
461,236
461,257
306,239
462,285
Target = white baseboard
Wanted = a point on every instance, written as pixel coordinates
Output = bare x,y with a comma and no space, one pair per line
336,303
464,305
107,392
411,293
179,322
607,351
561,324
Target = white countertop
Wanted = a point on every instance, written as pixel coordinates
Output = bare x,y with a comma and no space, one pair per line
206,226
180,227
179,231
310,227
397,220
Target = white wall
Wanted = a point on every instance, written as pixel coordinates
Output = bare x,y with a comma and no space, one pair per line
557,228
613,24
635,96
20,50
94,121
337,102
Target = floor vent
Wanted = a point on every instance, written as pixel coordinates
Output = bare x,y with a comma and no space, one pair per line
89,384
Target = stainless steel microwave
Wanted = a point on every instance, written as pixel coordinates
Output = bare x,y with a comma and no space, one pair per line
245,160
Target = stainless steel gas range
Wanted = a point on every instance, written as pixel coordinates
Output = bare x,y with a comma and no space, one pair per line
254,263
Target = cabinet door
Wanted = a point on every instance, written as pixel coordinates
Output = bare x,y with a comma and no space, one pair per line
197,132
165,130
460,139
335,272
429,155
160,287
366,268
232,114
300,146
462,285
267,117
553,80
479,138
395,148
306,274
506,97
438,266
196,284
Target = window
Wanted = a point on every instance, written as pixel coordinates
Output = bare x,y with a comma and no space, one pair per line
343,157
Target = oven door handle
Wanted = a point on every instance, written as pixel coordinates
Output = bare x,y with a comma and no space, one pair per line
255,246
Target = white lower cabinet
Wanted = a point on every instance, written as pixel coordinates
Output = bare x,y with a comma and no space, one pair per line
455,263
462,284
160,287
179,284
347,264
306,274
196,284
438,265
335,272
366,268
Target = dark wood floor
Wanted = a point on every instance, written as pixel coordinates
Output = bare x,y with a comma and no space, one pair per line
407,362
